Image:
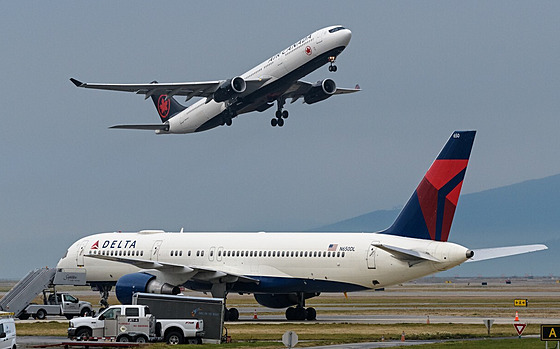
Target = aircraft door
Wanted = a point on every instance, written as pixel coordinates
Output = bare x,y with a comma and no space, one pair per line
81,252
372,253
154,256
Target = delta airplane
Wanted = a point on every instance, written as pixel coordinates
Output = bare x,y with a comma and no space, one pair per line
272,81
282,270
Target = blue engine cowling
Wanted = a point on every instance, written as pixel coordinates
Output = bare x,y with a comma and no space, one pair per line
141,282
280,300
320,91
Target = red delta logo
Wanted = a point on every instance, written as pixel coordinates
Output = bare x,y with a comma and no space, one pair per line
95,246
163,106
438,194
308,50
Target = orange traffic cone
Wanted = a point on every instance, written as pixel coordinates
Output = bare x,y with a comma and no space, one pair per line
255,315
402,336
516,317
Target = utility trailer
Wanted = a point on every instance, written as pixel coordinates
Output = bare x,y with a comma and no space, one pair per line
211,310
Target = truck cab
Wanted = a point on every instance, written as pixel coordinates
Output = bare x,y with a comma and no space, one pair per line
7,331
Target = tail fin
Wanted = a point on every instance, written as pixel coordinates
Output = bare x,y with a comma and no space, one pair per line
429,211
167,107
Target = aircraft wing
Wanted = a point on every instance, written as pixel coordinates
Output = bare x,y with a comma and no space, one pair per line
143,264
300,88
189,89
497,252
199,273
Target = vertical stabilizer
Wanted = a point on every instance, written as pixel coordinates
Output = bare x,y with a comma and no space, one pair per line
429,212
167,107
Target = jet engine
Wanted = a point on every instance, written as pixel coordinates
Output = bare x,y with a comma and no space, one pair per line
280,300
230,88
320,91
129,284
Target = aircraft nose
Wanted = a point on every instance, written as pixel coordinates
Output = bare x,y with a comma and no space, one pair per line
346,35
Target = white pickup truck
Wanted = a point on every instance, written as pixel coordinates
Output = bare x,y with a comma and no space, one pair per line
57,304
135,323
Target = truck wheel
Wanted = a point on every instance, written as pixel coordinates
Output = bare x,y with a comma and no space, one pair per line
174,338
41,314
85,312
23,316
141,339
83,333
69,317
123,339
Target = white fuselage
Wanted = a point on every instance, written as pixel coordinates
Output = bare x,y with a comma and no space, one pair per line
326,262
292,60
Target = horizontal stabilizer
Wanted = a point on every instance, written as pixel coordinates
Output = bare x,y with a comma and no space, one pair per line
497,252
406,254
163,127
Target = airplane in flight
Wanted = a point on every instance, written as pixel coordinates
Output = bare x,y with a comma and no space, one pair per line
273,81
282,270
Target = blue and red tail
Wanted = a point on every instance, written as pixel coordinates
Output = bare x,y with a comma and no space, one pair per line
429,211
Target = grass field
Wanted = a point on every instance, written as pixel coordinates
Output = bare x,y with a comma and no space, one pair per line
466,299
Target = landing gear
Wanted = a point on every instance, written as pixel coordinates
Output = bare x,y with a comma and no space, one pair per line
280,114
104,293
332,67
219,290
299,312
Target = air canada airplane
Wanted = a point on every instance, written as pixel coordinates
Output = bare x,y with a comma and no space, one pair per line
272,81
282,270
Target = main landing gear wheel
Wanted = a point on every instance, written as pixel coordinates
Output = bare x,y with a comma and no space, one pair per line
232,314
300,313
277,122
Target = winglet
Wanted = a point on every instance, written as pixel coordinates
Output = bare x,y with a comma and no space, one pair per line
77,82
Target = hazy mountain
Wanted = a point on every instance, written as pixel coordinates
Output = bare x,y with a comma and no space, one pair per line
522,213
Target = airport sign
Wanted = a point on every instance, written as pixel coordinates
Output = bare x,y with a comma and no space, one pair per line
519,328
550,332
520,302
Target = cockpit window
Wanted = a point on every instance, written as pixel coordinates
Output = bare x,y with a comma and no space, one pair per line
333,30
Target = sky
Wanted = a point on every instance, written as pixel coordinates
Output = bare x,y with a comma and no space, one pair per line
426,69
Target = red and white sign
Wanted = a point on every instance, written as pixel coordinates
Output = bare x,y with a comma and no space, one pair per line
519,328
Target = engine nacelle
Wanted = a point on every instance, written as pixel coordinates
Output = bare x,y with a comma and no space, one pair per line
320,91
280,300
141,282
229,89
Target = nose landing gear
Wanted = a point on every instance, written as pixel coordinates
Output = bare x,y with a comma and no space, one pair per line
332,67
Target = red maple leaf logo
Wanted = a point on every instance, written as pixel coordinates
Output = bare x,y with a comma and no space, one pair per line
308,50
163,106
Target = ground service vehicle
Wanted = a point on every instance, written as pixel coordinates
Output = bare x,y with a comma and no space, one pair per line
58,304
7,331
210,310
126,323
